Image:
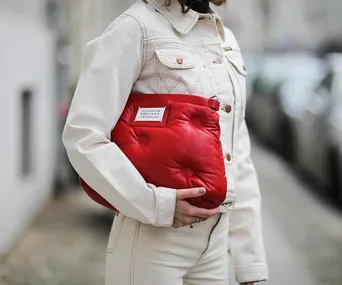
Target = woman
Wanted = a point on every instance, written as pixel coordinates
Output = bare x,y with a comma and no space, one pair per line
158,237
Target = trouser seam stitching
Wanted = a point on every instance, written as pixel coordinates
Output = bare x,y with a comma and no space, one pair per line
134,249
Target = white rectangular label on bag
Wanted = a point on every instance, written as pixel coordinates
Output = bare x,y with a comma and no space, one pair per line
150,115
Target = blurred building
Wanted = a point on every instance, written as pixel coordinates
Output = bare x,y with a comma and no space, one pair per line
27,114
284,25
87,20
245,19
40,41
324,19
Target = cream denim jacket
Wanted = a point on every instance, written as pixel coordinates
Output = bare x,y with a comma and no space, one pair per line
152,48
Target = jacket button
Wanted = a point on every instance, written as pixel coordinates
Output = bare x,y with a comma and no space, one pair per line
244,68
228,157
227,108
180,60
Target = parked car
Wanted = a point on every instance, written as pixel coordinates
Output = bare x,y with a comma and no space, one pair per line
277,95
318,132
292,96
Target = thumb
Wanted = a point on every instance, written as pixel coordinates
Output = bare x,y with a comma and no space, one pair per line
190,193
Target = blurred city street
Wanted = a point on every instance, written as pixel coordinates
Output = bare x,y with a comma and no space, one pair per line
290,56
303,236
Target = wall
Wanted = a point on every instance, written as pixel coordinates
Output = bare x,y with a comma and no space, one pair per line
244,18
279,24
87,20
27,63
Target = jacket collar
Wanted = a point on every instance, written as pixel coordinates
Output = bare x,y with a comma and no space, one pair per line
183,23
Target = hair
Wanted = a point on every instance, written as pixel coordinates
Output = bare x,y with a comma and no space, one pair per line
190,2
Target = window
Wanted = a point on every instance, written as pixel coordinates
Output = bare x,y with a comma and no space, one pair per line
26,132
51,11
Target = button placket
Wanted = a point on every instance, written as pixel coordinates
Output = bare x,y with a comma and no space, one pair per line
231,109
224,89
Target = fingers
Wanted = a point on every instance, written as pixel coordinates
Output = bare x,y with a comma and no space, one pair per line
186,209
177,224
190,193
181,221
186,220
187,214
202,213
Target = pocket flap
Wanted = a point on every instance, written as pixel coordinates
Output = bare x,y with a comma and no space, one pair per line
175,58
236,59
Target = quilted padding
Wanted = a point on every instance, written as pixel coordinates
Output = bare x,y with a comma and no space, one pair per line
173,141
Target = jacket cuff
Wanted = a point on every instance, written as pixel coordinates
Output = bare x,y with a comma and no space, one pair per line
253,273
166,207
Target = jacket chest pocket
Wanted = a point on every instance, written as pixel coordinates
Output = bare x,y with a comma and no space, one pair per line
177,70
238,70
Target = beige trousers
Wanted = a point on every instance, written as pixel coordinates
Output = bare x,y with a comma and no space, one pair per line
140,254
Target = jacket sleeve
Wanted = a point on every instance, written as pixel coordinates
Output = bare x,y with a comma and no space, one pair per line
111,65
246,238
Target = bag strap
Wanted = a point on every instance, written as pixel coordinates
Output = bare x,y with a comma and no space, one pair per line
214,103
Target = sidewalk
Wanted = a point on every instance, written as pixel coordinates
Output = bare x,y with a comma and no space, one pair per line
67,243
65,246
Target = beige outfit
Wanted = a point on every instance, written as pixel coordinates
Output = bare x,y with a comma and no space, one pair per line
140,52
143,254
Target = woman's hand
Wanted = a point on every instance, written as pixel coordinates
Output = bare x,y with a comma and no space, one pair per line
187,214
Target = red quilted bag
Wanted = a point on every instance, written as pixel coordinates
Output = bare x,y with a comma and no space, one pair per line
173,141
